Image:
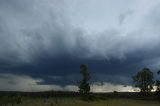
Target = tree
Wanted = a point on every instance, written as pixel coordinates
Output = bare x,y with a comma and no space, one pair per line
158,83
84,87
144,80
158,86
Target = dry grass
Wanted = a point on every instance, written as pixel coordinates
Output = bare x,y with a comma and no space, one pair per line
78,102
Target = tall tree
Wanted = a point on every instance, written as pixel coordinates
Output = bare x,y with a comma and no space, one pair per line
84,87
158,85
144,80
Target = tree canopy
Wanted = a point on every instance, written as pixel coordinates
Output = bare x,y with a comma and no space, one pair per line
84,87
144,80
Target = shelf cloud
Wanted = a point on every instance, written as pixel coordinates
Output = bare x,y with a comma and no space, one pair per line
36,33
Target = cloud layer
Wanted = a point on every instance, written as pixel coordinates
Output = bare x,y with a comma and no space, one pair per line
32,29
12,82
38,36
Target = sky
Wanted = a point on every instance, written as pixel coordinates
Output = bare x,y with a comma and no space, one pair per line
43,43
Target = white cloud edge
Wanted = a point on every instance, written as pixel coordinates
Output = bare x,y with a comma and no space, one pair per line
10,82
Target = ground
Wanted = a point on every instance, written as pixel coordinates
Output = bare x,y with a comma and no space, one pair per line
77,102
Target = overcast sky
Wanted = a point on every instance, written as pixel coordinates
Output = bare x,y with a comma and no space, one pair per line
43,43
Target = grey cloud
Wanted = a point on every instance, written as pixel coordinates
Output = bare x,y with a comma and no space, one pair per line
109,87
10,82
123,16
27,31
26,83
32,29
56,77
114,79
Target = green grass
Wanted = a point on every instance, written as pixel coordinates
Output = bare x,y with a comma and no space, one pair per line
78,102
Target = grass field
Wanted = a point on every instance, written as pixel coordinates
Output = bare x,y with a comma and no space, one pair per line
77,102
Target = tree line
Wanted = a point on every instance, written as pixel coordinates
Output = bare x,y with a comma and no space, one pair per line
144,80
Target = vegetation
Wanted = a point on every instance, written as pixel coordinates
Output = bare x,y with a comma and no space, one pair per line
74,101
158,86
84,87
12,100
144,80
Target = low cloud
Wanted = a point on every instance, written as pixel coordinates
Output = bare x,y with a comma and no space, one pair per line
109,87
10,82
114,79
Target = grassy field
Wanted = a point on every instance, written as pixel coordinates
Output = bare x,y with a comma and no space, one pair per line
78,102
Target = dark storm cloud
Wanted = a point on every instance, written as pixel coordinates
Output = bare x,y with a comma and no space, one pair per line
38,39
31,30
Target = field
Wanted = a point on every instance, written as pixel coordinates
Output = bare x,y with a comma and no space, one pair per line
72,99
78,102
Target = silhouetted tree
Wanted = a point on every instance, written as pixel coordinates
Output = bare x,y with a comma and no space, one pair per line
84,87
158,86
158,82
144,80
